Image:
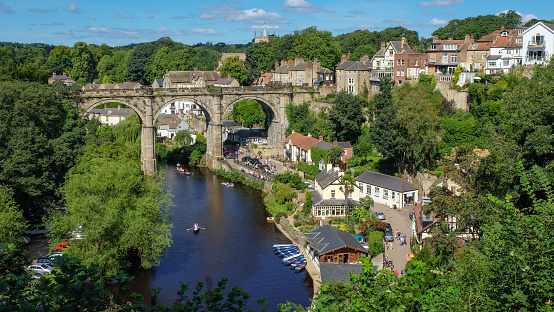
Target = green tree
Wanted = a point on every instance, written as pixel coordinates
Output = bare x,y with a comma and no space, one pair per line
59,60
335,154
346,116
249,113
183,138
83,63
235,66
301,119
311,43
283,193
138,61
122,214
12,229
114,66
347,185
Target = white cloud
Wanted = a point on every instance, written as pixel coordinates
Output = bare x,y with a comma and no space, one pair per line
524,17
441,3
432,23
92,18
303,7
73,8
235,14
204,32
4,8
124,16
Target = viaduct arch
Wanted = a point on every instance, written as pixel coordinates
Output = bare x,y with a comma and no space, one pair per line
148,102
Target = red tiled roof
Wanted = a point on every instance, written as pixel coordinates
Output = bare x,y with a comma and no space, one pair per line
303,142
417,214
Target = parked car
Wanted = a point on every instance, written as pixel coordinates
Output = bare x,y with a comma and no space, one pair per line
54,255
41,268
231,156
46,260
62,245
389,236
227,153
38,229
387,226
380,216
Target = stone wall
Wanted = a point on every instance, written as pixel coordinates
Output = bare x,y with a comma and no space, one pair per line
459,97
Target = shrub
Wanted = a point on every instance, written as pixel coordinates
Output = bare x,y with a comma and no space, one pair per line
297,223
308,169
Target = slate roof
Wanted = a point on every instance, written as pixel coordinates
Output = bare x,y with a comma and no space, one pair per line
324,70
172,120
339,272
159,82
300,66
385,181
325,177
224,81
229,124
459,45
397,45
353,65
323,145
318,201
284,69
345,144
494,57
127,85
327,238
112,111
189,76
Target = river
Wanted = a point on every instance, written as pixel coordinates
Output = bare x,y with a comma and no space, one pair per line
236,243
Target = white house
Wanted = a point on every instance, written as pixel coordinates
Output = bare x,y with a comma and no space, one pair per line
505,51
538,44
110,116
328,199
179,107
387,190
170,125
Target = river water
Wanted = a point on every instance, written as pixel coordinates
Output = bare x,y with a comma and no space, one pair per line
236,243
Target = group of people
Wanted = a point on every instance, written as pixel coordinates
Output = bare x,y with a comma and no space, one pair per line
401,237
255,174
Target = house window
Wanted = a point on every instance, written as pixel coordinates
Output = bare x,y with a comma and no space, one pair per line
350,80
471,57
332,193
400,62
399,82
368,190
505,63
392,196
391,52
401,73
377,193
454,58
378,63
385,194
484,56
477,66
445,58
398,73
351,89
492,63
450,46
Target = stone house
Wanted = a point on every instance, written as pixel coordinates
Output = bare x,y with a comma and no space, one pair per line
296,72
387,190
169,125
325,77
66,80
477,54
190,79
353,76
226,83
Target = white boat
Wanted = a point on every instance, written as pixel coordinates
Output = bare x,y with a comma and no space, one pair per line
228,183
292,257
284,245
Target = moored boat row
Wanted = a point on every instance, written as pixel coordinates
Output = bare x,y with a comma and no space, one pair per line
291,256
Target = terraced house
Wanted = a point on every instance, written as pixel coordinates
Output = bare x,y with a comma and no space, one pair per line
296,72
444,56
353,76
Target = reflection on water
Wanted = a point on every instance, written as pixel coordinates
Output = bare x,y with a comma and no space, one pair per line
236,243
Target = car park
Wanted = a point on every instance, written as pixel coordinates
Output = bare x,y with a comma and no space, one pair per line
45,260
41,268
38,229
380,215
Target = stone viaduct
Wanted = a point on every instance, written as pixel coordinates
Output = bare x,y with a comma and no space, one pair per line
148,102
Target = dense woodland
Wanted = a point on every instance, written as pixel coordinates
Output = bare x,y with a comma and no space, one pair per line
48,153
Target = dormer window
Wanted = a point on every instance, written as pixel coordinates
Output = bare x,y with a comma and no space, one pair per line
504,33
450,46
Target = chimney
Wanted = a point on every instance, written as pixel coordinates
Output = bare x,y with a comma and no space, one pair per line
343,58
435,38
502,28
321,137
53,75
298,60
383,45
276,64
105,105
403,42
348,56
364,59
64,74
450,38
229,75
310,65
467,39
309,135
290,62
283,62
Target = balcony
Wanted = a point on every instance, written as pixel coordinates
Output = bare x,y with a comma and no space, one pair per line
534,44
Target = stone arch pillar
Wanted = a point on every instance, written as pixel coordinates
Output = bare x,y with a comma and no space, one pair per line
148,141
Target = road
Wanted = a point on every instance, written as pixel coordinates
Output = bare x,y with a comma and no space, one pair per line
399,219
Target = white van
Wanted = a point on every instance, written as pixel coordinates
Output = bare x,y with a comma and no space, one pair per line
38,229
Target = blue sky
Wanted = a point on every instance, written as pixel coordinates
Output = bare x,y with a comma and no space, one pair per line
120,22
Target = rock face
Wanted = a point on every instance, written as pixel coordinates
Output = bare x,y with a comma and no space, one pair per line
459,97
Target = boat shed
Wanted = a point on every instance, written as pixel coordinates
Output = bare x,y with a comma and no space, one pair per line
329,244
